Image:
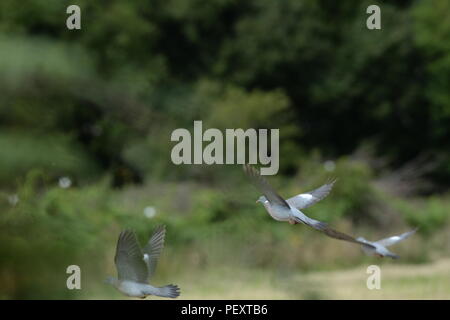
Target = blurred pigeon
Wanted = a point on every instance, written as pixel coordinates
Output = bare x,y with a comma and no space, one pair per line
135,266
287,210
378,248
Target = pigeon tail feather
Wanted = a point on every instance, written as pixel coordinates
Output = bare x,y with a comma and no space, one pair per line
392,255
169,291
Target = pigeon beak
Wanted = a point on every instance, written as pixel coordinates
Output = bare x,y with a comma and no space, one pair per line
256,201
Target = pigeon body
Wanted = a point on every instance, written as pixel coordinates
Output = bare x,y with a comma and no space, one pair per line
141,290
289,214
288,210
379,248
135,266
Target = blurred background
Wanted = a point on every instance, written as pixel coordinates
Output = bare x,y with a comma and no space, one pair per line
85,123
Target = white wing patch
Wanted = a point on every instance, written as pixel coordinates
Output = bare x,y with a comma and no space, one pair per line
394,239
307,199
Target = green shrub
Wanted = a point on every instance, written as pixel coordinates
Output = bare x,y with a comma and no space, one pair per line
56,155
49,229
429,214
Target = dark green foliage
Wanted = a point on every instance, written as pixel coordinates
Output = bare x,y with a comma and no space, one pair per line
98,105
336,78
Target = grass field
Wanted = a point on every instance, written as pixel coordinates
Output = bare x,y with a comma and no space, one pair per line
398,281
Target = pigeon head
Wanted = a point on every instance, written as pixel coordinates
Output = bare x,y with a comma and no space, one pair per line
261,199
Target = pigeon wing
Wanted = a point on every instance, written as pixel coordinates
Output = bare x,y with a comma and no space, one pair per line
323,227
307,199
153,249
394,239
342,236
129,259
264,187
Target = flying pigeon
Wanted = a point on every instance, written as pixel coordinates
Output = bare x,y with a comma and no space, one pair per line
288,210
135,266
378,248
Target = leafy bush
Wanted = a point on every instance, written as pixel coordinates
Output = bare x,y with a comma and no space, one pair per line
49,229
56,155
429,215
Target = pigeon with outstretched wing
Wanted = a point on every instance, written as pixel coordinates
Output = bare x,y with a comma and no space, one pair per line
287,210
135,267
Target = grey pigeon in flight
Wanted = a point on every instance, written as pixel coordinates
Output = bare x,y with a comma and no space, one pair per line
379,248
135,266
288,210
